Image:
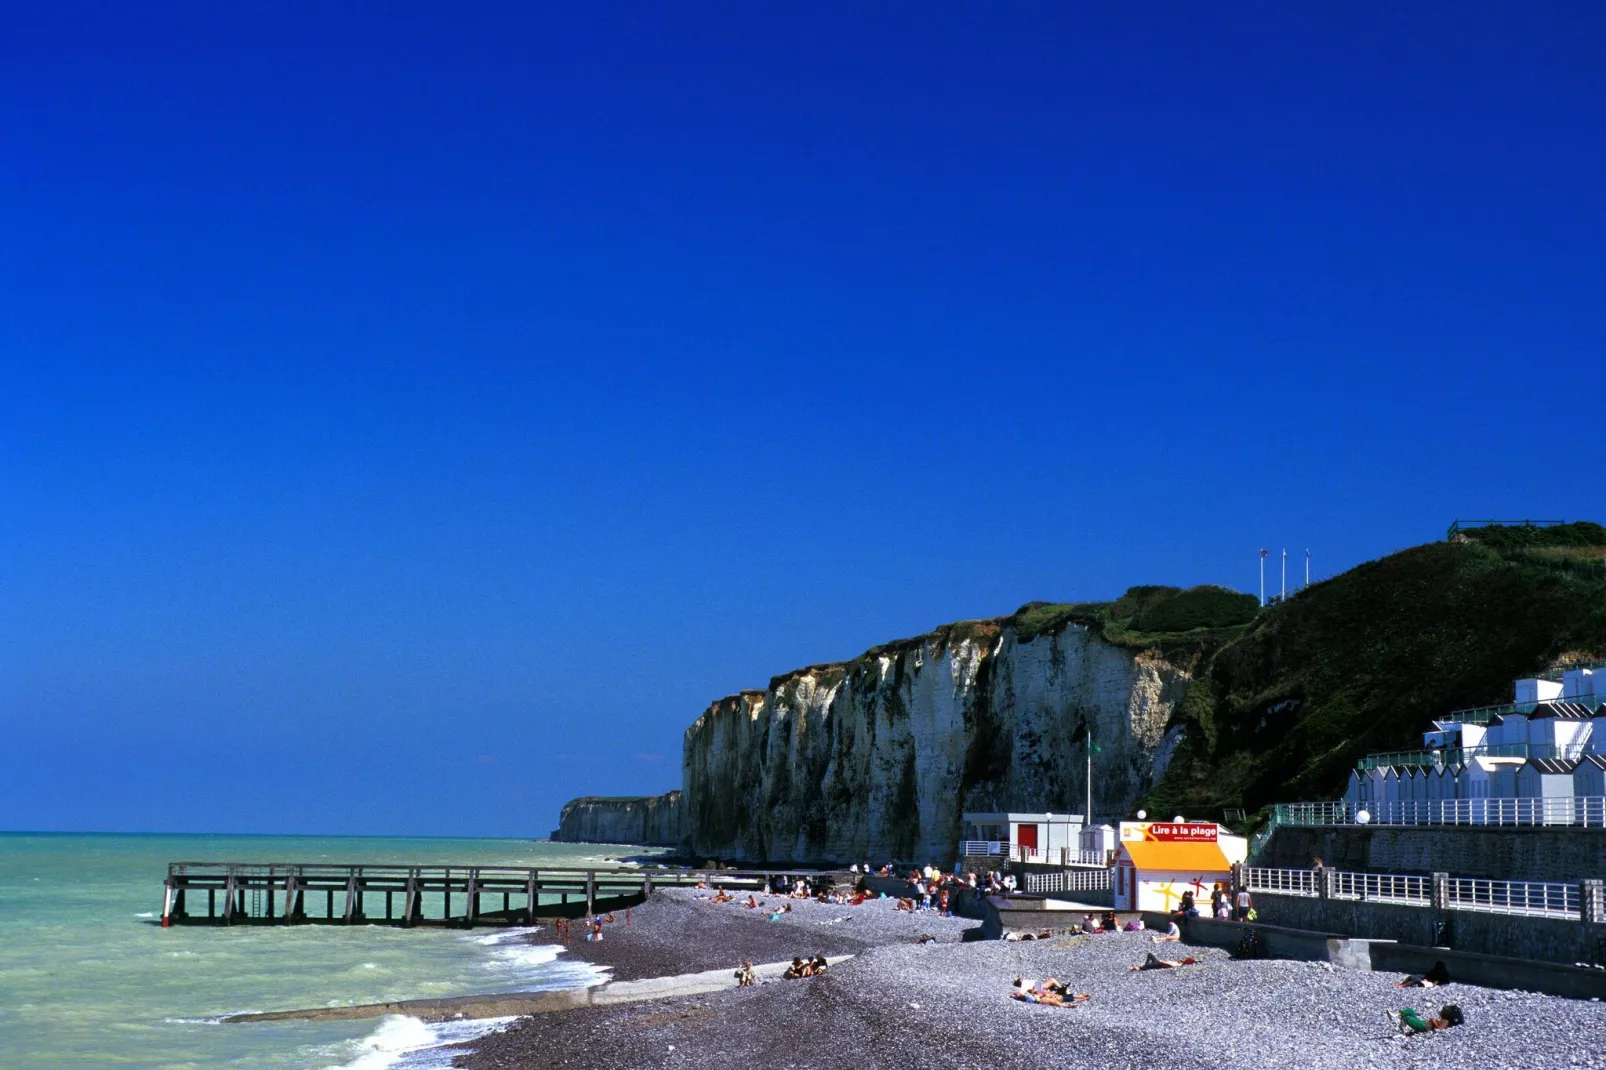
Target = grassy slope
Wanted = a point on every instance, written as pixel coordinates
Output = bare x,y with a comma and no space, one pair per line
1364,661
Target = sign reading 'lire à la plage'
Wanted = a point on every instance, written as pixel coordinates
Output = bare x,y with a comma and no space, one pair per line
1169,832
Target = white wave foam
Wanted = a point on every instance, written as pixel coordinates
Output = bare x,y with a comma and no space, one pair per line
401,1041
506,936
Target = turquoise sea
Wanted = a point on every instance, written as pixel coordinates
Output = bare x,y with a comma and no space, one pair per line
89,978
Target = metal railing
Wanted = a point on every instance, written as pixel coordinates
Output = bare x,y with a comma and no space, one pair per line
1462,755
979,848
1586,811
1406,889
1282,881
1059,856
1070,880
1543,899
1549,899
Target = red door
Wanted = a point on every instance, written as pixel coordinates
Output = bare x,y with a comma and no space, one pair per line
1026,836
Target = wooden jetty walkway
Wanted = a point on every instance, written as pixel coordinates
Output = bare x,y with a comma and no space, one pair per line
292,894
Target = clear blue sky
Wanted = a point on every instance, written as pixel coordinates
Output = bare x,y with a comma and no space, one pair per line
413,415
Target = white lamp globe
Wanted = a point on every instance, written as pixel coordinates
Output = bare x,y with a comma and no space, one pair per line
1142,814
1179,819
1362,817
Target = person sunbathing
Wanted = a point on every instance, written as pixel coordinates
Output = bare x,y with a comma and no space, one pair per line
1152,962
1439,974
1052,987
817,967
751,904
796,970
1409,1022
722,896
745,977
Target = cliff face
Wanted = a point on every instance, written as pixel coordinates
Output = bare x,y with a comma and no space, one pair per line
877,758
646,819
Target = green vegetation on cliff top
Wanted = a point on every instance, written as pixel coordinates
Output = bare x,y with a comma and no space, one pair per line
1364,661
1169,619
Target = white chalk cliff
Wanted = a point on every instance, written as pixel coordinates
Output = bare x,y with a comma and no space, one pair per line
877,758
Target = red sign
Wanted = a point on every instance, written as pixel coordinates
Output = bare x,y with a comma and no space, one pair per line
1189,832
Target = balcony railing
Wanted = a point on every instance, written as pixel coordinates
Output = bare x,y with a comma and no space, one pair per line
1463,755
1577,810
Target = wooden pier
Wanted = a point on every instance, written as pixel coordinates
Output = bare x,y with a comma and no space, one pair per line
407,895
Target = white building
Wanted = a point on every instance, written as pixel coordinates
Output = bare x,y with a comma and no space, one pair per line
1158,862
1024,837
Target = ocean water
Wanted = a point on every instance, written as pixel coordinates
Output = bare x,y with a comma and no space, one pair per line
89,978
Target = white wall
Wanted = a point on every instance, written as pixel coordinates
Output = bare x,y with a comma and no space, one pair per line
1579,684
1152,885
1532,690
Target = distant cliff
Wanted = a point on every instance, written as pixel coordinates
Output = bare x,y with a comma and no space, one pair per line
878,757
657,820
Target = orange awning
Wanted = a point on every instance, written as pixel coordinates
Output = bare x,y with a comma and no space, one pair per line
1193,857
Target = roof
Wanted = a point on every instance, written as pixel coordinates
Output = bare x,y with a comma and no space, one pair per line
1198,857
1596,760
1551,765
1565,711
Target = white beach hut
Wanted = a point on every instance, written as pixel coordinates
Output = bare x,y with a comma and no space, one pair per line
1589,777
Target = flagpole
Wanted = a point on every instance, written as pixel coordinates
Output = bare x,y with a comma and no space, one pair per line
1088,819
1307,566
1263,579
1283,597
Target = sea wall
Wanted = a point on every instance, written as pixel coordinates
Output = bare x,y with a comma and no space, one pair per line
1538,853
877,758
1520,936
646,819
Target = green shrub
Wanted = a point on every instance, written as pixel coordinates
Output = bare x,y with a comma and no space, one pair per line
1197,607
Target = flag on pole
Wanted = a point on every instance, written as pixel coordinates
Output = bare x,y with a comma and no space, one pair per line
1263,553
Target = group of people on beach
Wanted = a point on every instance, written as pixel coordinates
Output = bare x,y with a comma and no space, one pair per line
591,927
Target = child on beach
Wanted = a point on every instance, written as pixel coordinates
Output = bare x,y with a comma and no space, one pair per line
745,977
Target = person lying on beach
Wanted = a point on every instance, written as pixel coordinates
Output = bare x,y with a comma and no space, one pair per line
1050,993
1172,934
1439,974
1044,935
1050,985
1151,962
1409,1022
722,896
780,912
745,977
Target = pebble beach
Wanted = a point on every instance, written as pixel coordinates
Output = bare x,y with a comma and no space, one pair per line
945,1003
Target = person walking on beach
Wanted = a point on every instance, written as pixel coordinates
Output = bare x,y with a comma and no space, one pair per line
1241,913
